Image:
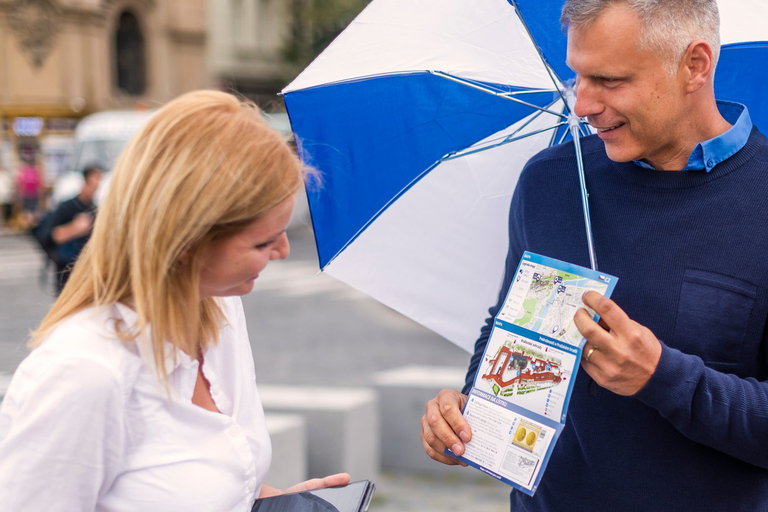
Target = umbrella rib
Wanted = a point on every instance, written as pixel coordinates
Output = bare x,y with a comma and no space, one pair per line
494,93
555,81
529,121
528,91
458,154
512,137
499,91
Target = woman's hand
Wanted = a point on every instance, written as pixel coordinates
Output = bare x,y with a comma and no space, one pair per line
308,485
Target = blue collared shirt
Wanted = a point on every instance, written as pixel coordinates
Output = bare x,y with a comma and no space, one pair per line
711,152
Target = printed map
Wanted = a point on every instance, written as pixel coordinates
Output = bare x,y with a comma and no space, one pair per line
544,300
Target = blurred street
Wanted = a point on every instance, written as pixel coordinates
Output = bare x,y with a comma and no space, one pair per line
305,328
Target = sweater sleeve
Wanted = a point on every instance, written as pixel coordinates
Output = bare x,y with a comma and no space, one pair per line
722,411
61,435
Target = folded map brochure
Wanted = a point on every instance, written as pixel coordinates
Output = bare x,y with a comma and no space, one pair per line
519,399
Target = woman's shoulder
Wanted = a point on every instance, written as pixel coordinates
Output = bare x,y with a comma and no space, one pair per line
89,339
232,307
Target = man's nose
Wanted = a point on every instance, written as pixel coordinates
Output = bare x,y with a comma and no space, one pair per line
587,99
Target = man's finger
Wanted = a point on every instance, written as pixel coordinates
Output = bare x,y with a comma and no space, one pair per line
597,335
451,403
611,314
434,447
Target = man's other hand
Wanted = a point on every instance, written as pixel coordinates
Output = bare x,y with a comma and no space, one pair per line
443,425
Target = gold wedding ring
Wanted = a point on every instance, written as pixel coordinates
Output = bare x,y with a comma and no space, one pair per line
589,353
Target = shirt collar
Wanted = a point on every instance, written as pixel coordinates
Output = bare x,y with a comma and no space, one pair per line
173,356
709,153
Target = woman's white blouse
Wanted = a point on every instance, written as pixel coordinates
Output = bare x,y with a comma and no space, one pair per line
86,424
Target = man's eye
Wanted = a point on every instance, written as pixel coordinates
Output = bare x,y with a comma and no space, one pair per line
265,245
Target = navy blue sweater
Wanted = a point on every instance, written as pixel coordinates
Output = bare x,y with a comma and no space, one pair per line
691,253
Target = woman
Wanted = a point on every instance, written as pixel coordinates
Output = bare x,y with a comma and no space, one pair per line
140,391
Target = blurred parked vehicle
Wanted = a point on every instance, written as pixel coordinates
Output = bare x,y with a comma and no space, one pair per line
101,137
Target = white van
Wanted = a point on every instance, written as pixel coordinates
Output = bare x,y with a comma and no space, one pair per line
99,139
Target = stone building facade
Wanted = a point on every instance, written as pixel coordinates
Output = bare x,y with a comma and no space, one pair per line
245,50
63,59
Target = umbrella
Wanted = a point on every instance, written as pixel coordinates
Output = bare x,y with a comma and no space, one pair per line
421,116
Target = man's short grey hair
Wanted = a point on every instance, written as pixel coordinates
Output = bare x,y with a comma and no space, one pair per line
670,26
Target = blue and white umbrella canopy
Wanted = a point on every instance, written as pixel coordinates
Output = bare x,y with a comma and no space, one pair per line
420,116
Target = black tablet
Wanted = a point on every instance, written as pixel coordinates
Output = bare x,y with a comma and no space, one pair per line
353,497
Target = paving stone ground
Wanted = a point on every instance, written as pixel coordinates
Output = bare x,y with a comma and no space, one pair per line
469,492
296,319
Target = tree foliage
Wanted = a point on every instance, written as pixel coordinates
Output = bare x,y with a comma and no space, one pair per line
314,24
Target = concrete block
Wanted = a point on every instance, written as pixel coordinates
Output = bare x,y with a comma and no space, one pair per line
5,381
288,433
403,394
342,427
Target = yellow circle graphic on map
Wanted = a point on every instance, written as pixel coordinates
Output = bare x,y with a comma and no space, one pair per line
530,439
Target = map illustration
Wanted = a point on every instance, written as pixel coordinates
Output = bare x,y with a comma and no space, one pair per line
545,299
518,370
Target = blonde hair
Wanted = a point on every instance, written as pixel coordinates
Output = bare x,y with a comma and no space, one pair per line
203,167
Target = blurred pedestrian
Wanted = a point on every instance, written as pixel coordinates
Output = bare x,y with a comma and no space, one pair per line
70,226
29,186
6,199
140,391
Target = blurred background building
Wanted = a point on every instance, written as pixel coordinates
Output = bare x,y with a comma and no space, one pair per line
245,48
257,46
61,60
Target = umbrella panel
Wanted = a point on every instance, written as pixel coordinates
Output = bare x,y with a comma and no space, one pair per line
394,129
741,77
437,254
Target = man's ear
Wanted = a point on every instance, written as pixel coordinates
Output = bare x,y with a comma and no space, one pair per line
698,65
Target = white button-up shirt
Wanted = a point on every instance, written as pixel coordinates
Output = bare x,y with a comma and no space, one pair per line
87,425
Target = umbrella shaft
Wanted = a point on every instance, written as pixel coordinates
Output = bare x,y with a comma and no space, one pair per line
584,196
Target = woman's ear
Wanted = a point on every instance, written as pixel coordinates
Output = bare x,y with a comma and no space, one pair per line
184,257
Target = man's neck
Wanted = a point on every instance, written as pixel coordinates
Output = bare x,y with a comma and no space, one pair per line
704,124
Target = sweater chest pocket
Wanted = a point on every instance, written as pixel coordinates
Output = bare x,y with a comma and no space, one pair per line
712,317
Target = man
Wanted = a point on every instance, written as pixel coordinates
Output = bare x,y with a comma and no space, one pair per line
70,225
670,412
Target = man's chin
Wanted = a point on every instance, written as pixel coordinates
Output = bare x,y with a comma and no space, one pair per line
620,154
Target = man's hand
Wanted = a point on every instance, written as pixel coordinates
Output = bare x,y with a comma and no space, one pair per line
620,354
443,425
